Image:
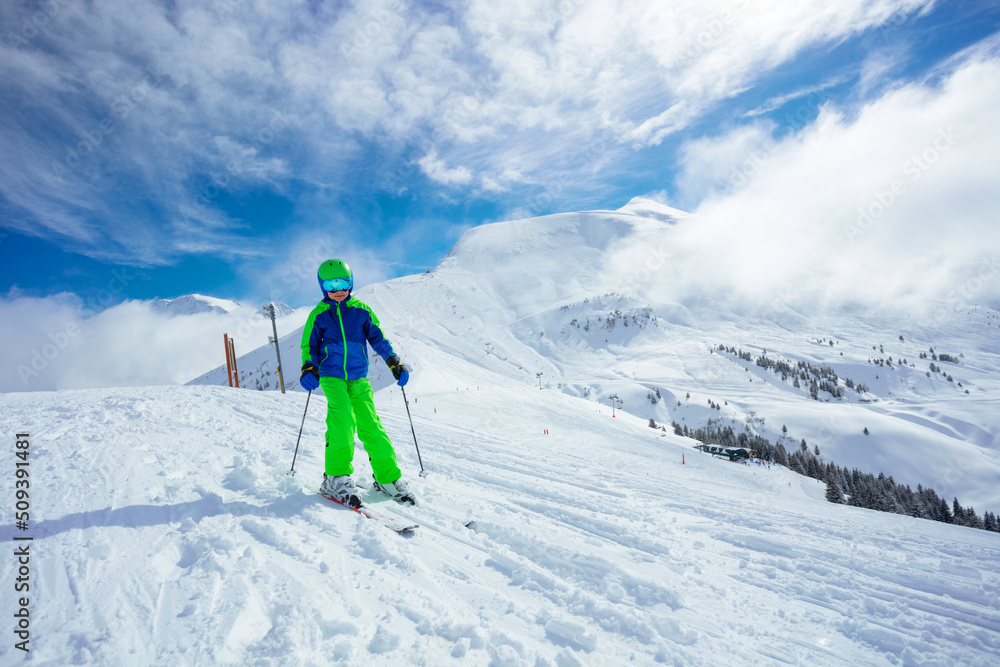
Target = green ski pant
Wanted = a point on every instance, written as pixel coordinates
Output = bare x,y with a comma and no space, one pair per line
351,408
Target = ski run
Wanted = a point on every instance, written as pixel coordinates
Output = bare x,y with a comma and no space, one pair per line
167,532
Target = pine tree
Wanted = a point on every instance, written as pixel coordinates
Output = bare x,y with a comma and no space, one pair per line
833,493
944,512
779,455
882,502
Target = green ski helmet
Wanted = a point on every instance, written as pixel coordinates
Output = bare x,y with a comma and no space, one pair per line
335,275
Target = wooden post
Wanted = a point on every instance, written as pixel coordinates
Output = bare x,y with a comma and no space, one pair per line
236,373
229,359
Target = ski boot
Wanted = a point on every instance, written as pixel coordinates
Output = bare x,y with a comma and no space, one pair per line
397,491
342,489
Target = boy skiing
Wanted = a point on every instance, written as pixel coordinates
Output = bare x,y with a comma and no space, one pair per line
335,357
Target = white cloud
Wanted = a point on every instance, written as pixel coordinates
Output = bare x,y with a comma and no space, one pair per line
897,202
189,90
436,170
166,108
54,343
711,165
879,68
807,92
501,182
60,342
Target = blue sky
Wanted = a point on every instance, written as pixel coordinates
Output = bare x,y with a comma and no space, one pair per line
155,149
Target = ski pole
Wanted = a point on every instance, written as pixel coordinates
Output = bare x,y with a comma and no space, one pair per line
308,396
423,473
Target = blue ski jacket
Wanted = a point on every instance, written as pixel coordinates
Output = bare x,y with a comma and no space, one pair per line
335,335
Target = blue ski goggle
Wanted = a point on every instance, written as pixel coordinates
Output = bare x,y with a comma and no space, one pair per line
337,284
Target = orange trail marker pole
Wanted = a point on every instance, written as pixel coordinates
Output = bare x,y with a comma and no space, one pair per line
229,359
236,373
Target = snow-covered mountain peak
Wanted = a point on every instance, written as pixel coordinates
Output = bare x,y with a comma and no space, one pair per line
191,304
649,208
567,257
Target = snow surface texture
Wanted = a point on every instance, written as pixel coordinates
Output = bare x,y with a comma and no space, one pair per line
167,531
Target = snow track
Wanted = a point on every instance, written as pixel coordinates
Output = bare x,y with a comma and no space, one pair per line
167,532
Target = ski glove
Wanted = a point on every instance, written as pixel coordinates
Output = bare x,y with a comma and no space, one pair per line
310,377
399,371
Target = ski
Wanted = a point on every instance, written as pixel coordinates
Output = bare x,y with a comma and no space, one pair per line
405,509
389,522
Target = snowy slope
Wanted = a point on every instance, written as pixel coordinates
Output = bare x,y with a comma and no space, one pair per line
168,532
582,299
